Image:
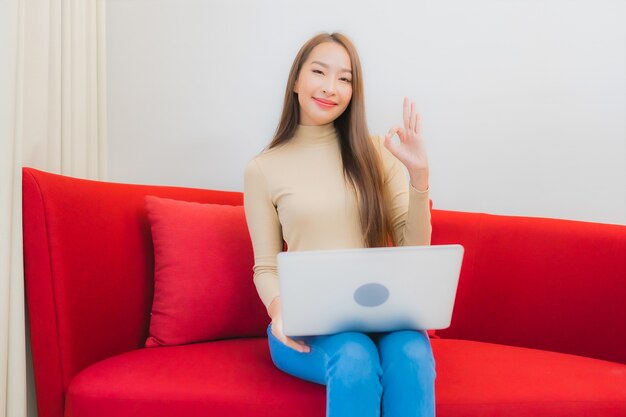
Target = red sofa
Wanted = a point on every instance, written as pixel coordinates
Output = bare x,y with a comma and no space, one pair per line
539,326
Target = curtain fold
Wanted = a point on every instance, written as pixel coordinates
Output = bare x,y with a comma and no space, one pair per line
65,44
12,321
52,117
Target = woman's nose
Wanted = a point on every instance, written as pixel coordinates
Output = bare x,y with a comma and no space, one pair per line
329,87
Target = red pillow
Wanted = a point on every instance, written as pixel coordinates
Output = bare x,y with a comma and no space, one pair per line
203,287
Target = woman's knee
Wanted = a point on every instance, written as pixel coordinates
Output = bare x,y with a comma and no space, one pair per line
354,358
409,345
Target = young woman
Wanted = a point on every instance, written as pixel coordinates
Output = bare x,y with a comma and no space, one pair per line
324,183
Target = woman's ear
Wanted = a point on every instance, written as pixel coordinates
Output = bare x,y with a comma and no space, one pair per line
295,87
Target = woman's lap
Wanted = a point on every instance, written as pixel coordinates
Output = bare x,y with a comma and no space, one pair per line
382,348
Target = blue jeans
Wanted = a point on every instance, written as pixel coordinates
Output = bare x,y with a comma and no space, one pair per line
364,371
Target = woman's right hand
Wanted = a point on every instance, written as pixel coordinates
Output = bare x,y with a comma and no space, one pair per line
277,328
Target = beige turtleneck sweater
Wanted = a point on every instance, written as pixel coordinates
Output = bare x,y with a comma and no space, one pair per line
296,192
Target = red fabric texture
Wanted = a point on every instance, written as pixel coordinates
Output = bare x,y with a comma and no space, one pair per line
539,283
217,378
88,267
202,279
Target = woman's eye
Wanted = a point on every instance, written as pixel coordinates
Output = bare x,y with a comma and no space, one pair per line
346,80
317,71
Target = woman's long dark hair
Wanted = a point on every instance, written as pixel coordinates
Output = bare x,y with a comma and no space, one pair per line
361,162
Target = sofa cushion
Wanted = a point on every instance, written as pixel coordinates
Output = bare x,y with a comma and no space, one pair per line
203,287
485,379
237,378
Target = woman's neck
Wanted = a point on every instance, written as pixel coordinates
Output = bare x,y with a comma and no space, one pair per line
315,134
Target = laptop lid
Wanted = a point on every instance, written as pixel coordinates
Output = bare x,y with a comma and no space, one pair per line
368,289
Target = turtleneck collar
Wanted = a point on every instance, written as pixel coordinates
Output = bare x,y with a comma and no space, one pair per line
312,135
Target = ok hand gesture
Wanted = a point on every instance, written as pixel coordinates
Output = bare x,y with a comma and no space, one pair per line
410,151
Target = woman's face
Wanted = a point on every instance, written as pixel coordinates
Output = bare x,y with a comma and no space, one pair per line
324,84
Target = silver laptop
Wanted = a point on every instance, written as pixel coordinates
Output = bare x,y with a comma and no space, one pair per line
369,289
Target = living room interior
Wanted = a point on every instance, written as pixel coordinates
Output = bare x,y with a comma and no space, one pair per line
522,107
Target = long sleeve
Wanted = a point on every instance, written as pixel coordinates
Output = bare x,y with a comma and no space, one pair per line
265,232
409,208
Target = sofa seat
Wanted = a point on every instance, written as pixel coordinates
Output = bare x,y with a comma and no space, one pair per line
237,377
485,379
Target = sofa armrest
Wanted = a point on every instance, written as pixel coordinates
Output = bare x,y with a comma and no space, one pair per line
89,272
542,283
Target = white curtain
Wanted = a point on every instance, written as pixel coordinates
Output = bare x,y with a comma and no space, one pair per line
52,117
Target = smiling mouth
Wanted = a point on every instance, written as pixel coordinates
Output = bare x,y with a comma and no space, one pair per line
324,103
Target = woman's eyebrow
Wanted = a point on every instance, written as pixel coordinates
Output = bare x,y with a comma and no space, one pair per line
326,66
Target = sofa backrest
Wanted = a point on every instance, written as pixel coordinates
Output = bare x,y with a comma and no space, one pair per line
89,269
542,283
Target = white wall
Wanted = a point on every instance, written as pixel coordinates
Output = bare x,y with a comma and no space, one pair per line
523,102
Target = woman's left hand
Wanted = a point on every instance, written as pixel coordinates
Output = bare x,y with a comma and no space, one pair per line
410,151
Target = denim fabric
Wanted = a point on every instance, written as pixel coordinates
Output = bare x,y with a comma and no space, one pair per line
365,372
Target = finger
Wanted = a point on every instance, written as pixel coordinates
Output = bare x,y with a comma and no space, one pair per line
286,340
304,345
295,345
390,145
406,112
416,123
412,117
388,142
393,130
396,130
